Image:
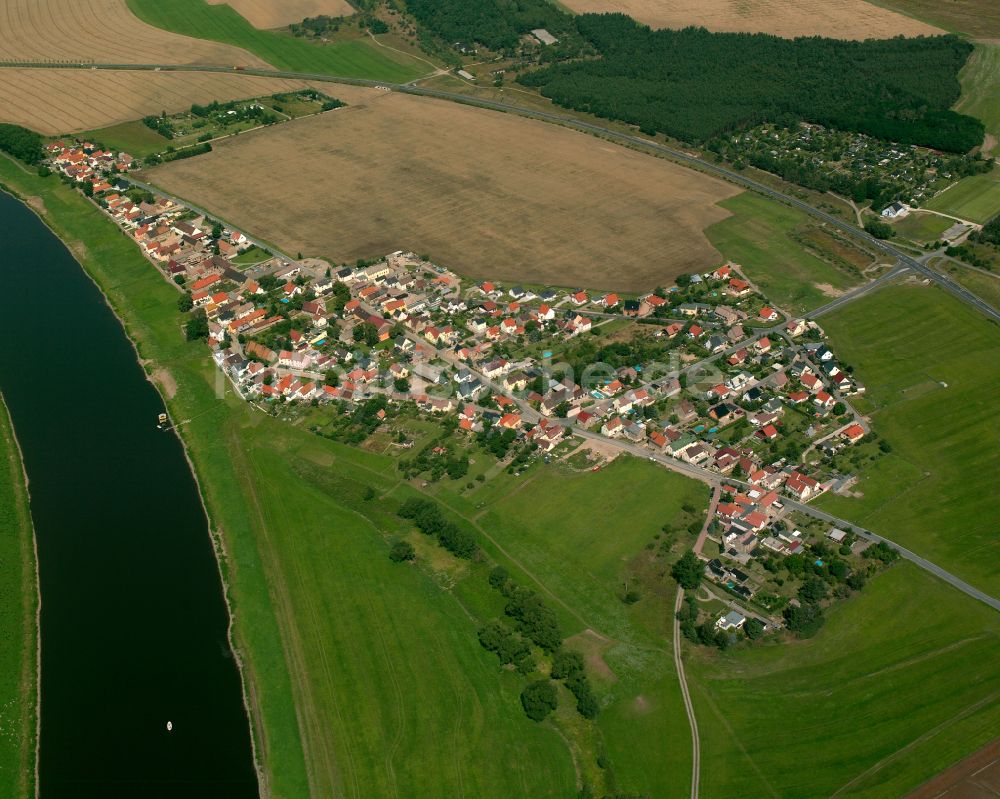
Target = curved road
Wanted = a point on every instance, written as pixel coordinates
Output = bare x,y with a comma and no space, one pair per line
918,265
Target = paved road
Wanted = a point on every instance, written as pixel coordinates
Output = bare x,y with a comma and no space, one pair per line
688,706
918,265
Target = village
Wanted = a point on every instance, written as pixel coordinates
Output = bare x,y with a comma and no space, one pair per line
706,377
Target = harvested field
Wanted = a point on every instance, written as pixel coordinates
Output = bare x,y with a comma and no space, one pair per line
100,30
845,19
484,193
278,13
54,101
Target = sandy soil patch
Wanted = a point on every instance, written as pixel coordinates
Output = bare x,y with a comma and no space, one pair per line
844,19
55,101
487,194
829,290
166,381
100,30
278,13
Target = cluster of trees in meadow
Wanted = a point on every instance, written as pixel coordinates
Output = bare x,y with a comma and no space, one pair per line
429,520
990,234
22,143
692,84
534,622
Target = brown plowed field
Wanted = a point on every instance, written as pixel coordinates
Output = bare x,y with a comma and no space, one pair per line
841,19
101,31
278,13
487,194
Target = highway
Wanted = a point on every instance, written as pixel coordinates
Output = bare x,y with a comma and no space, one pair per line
917,265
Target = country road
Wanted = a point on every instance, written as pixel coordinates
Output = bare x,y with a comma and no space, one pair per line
694,161
688,706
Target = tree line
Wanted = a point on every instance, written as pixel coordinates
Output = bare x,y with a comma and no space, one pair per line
497,24
693,85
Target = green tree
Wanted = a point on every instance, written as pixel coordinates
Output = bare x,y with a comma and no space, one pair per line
688,571
539,698
402,551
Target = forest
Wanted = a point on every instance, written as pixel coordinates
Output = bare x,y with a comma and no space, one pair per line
21,143
692,84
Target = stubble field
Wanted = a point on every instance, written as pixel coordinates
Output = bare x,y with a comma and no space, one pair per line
846,19
484,193
100,30
278,13
56,101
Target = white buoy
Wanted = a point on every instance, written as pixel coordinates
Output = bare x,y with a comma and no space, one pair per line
170,726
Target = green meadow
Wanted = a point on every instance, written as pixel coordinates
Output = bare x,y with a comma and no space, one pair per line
899,684
763,236
921,227
358,58
932,369
18,628
976,198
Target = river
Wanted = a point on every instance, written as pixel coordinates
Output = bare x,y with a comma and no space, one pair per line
133,619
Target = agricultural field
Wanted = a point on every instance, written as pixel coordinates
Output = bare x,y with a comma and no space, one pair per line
976,18
976,198
980,79
357,58
780,251
850,19
483,193
279,13
101,30
18,628
899,684
932,369
57,101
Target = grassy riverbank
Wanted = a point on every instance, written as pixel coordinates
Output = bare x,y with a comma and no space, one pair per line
362,676
18,622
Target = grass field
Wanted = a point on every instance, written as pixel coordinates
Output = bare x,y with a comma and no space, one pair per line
573,533
101,30
277,13
977,18
985,286
899,684
359,58
848,19
18,628
920,227
976,198
57,101
932,368
763,236
980,78
484,193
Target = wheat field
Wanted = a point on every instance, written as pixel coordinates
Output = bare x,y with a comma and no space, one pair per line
837,19
101,31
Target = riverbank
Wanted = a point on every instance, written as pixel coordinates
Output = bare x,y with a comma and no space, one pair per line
147,308
19,607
